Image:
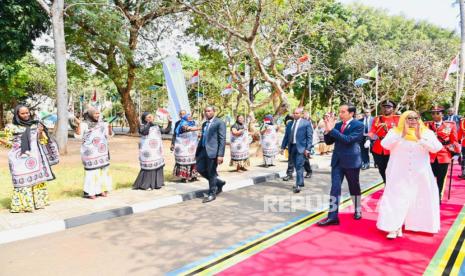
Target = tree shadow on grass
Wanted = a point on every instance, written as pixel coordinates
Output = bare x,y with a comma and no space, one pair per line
5,202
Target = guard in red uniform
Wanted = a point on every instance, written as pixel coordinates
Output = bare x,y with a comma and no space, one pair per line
446,133
461,138
380,127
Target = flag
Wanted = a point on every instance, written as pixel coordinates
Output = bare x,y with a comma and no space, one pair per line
291,70
195,77
361,81
94,97
228,90
153,87
373,73
304,58
453,68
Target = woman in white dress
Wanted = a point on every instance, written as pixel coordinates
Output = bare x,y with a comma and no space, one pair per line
95,154
411,195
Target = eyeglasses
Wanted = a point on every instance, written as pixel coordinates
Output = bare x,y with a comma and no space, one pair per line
412,118
436,113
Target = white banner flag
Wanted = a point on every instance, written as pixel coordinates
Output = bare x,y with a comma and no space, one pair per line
176,85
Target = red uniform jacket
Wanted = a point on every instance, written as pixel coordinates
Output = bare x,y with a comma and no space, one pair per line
380,127
461,132
447,135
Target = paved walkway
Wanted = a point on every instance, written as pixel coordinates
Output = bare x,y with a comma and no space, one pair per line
167,239
172,193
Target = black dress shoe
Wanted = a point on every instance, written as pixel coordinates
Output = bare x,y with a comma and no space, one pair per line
220,185
357,215
308,175
288,177
209,198
296,190
328,222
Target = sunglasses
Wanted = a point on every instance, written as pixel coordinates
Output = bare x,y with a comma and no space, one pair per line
436,113
412,118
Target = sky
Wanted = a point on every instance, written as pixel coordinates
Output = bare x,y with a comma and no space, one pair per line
438,12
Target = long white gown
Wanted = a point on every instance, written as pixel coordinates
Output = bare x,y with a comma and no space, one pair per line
411,194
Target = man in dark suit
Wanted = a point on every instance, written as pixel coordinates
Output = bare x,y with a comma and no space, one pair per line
210,152
346,160
290,164
298,139
367,121
452,117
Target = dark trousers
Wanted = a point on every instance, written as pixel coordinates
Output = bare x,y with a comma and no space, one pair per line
462,162
440,172
353,179
365,152
206,166
381,161
298,161
290,166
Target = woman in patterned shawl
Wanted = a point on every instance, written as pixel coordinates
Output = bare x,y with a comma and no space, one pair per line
95,154
239,145
269,140
151,154
185,145
30,169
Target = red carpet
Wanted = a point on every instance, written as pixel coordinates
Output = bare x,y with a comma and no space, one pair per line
354,247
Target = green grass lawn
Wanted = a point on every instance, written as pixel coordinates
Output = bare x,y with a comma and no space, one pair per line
69,181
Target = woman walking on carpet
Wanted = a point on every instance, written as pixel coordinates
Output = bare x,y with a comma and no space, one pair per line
185,146
32,154
95,154
411,195
151,154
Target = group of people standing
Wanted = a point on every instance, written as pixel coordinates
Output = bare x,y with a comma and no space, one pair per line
412,158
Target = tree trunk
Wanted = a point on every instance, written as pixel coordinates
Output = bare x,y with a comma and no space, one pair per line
462,56
61,132
2,117
129,109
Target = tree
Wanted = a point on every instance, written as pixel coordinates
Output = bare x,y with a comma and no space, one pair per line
55,11
21,21
260,37
115,39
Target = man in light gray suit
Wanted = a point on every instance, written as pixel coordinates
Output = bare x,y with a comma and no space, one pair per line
210,152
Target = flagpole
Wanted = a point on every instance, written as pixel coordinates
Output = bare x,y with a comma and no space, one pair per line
456,90
376,91
310,92
198,100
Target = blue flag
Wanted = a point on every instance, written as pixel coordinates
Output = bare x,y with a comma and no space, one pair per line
361,81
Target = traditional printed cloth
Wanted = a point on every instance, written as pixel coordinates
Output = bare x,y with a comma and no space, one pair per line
94,148
26,199
240,147
151,150
269,142
185,147
34,168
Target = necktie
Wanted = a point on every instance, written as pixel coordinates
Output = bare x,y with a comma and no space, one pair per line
366,125
343,127
204,133
293,132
